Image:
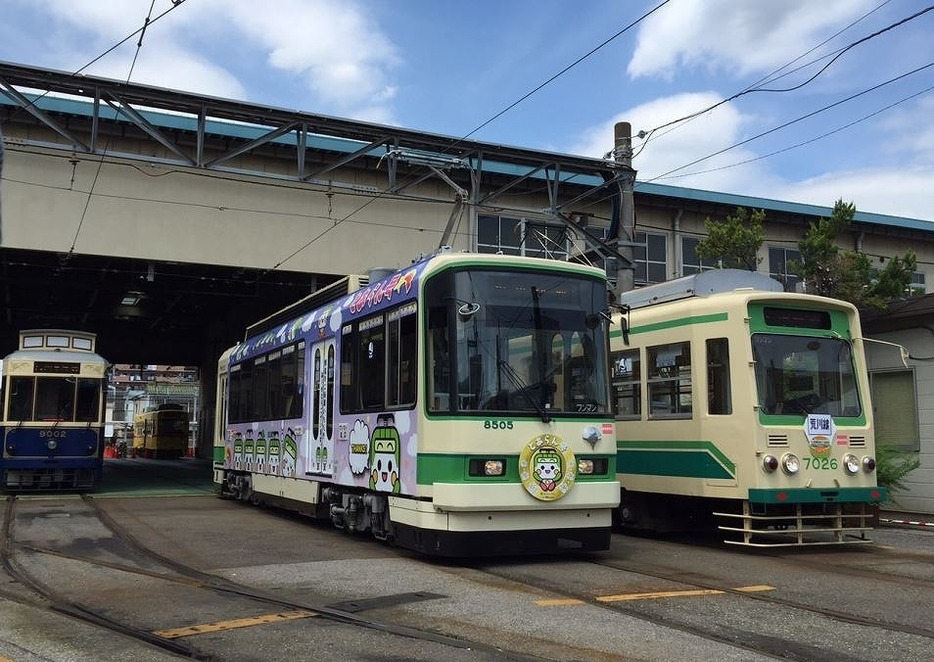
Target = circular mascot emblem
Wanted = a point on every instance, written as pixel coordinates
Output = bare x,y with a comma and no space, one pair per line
547,467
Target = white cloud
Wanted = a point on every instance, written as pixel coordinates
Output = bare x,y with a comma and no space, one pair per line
331,49
903,192
341,54
735,36
671,148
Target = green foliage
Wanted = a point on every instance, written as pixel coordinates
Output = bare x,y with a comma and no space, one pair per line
831,271
734,242
892,465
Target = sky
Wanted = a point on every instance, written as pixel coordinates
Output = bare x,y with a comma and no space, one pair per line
807,101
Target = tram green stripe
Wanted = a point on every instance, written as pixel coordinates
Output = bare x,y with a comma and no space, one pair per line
444,468
687,459
671,324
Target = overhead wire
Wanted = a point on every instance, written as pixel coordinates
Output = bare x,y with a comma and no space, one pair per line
810,140
795,121
103,155
756,87
772,76
493,118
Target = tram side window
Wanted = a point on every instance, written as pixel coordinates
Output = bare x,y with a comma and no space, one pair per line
626,377
245,402
89,400
274,400
669,380
348,399
378,362
233,404
260,393
719,393
403,336
439,359
21,394
371,360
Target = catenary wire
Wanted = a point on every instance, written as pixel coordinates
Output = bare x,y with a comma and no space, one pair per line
756,87
478,128
100,163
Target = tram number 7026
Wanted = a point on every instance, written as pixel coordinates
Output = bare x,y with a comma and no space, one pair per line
822,463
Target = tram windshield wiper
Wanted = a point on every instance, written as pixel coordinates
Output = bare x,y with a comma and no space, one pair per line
524,389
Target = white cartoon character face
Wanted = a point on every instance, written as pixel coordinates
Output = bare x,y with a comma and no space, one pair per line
547,466
384,456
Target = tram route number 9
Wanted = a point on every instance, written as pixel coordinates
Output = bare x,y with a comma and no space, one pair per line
497,425
823,463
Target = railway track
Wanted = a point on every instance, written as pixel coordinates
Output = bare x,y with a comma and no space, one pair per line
766,620
156,582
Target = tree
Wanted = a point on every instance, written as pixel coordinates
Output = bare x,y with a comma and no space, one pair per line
831,271
734,242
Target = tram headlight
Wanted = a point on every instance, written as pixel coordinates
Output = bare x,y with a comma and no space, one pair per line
851,464
51,444
869,464
770,463
790,464
596,466
479,467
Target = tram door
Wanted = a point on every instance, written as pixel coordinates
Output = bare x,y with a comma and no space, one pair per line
322,403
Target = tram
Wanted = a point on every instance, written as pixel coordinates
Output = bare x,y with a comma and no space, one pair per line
742,406
52,395
457,407
161,432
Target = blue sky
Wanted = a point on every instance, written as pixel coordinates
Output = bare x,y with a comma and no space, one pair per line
453,67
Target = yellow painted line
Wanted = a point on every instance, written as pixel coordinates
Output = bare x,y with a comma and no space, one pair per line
219,626
679,594
658,594
652,596
558,603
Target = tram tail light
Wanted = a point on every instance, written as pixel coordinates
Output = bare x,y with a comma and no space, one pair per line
770,463
11,449
480,467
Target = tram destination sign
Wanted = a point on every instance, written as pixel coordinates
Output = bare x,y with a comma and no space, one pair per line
58,367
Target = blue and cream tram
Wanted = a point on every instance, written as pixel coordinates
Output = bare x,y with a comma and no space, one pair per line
457,407
52,391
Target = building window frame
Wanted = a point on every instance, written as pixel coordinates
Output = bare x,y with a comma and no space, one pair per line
650,257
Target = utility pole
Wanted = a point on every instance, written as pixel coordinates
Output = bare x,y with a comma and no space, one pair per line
626,179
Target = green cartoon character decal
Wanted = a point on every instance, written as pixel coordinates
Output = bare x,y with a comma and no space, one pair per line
547,467
384,455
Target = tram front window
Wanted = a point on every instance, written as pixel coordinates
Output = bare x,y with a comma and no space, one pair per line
805,375
516,342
